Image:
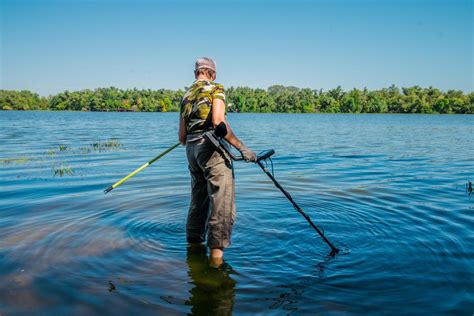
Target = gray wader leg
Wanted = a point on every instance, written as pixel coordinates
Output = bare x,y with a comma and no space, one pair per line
196,224
212,206
220,187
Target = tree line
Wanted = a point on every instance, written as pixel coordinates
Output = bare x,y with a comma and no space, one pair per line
277,98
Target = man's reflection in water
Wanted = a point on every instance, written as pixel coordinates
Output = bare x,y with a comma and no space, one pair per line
214,289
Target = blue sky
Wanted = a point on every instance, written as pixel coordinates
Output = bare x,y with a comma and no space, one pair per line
50,46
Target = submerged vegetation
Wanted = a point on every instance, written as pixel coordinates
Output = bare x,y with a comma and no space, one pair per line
14,160
106,145
276,98
62,170
57,158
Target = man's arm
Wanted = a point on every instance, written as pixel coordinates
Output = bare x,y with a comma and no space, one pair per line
182,130
218,116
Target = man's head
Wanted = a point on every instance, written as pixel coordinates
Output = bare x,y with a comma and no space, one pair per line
205,68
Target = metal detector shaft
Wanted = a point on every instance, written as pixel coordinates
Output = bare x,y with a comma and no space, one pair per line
334,250
116,184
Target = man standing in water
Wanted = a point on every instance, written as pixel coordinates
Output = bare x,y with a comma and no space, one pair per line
212,207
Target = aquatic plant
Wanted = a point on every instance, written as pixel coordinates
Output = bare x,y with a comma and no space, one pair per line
111,286
106,145
62,170
51,152
63,147
14,160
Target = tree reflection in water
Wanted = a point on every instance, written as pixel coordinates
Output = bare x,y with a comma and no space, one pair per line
214,290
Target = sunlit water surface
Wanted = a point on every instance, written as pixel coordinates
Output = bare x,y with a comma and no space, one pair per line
389,190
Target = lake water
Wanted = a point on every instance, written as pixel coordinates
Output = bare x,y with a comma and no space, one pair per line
389,190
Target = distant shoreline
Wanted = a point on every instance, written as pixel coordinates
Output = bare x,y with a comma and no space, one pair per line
275,99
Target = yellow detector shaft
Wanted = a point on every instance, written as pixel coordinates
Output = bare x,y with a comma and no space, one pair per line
116,184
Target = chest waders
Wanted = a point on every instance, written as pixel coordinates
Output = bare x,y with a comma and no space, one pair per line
216,139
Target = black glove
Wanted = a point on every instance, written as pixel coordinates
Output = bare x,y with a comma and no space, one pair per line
247,154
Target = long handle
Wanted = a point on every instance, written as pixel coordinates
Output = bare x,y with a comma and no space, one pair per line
220,144
116,184
334,250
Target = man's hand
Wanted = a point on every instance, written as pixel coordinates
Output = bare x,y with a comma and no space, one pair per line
247,154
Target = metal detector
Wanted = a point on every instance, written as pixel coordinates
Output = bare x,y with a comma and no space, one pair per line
216,138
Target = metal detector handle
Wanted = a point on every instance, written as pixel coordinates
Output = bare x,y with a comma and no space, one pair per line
216,139
212,139
229,152
219,144
265,154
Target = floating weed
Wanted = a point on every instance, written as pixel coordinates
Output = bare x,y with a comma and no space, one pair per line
113,143
112,287
109,144
96,145
15,160
51,152
62,170
63,147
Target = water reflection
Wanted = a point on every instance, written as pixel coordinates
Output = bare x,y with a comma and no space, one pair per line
214,290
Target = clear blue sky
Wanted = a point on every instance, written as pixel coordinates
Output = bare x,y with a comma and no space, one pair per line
49,46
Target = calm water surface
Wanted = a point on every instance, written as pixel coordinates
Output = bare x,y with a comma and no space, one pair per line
390,190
